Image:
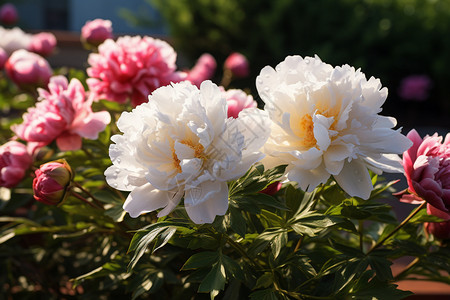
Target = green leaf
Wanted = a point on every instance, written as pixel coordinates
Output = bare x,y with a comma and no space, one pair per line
237,222
214,280
232,268
201,260
382,267
264,281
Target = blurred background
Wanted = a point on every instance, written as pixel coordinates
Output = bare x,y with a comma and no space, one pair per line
405,43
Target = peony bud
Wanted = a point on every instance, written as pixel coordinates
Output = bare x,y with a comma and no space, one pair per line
203,70
238,65
8,14
27,69
96,32
52,182
272,188
43,43
3,58
14,162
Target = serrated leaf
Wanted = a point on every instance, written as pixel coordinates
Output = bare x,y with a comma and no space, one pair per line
232,268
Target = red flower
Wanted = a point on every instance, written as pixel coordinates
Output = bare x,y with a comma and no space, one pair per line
52,182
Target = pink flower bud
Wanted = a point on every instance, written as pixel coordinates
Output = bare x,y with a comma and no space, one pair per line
237,100
203,70
3,58
272,188
43,43
52,182
14,162
238,65
8,14
96,32
441,230
28,69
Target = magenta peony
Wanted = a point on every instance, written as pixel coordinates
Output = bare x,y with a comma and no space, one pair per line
238,65
440,230
63,114
131,67
43,43
8,14
27,69
203,70
237,100
52,181
14,162
415,88
427,170
3,58
96,32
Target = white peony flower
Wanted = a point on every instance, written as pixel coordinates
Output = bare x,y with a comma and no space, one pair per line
325,122
14,39
181,143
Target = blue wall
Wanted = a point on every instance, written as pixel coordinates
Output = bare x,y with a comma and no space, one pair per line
71,15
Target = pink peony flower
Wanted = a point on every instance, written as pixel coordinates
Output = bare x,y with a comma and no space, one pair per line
96,32
3,58
237,100
8,14
131,67
427,171
28,69
52,182
14,162
440,230
415,88
43,43
237,64
63,114
203,70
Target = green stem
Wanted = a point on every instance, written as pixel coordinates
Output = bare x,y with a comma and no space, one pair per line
406,269
76,195
87,193
411,215
300,240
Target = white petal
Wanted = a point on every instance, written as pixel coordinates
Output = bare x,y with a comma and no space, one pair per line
145,199
207,201
308,180
390,163
355,180
255,125
122,179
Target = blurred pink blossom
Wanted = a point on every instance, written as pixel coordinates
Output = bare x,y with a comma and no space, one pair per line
440,230
96,31
237,100
3,58
415,88
203,70
43,43
14,162
28,69
237,64
62,114
8,14
52,182
131,67
427,171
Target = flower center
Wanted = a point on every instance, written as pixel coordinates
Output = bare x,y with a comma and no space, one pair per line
306,128
198,153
